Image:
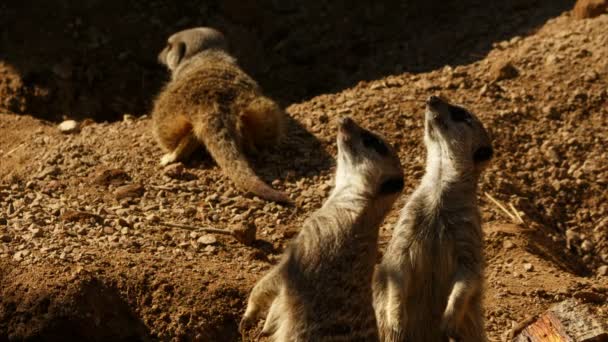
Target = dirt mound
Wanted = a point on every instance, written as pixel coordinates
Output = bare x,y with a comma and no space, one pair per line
86,213
98,58
42,303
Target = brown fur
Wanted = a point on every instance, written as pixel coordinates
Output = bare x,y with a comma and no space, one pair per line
429,284
322,290
212,102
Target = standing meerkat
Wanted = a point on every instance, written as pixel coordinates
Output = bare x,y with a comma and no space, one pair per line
428,286
322,290
211,102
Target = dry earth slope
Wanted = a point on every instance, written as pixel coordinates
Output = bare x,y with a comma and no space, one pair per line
83,253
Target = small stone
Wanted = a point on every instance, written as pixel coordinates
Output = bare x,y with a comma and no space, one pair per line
152,218
129,191
245,233
110,176
69,126
551,112
36,232
108,230
48,171
504,70
175,170
124,231
124,223
207,239
551,60
528,267
587,246
507,244
602,271
128,118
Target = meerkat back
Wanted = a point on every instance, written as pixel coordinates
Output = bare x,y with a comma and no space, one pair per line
210,102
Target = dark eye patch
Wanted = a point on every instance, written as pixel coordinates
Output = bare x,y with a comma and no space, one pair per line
372,142
391,186
483,154
459,114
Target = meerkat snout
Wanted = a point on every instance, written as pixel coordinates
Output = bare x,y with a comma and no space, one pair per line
184,44
363,153
457,130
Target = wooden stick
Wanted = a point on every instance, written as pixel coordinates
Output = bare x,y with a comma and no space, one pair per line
203,229
495,201
244,233
516,213
13,150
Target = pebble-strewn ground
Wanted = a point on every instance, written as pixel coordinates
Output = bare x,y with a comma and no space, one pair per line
83,216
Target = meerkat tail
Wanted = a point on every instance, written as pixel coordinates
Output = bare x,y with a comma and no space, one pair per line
222,146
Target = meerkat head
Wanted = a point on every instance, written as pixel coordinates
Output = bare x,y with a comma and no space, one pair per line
187,43
365,159
457,132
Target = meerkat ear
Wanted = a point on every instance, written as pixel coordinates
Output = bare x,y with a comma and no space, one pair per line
483,154
391,186
174,55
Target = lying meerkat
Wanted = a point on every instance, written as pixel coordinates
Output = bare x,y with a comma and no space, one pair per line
211,102
428,286
321,290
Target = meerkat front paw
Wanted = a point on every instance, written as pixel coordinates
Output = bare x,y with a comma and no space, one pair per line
449,325
167,159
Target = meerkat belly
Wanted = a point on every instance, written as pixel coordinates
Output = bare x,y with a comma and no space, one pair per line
430,286
334,298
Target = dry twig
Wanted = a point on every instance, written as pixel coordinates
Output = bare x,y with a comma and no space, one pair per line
244,233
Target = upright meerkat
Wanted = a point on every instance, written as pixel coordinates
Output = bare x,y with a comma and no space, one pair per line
211,102
428,286
321,290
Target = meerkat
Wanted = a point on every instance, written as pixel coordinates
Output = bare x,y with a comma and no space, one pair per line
428,286
321,290
210,102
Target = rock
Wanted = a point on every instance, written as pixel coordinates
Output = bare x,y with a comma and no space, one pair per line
507,244
70,215
110,176
207,239
48,171
124,223
602,271
129,191
528,267
108,230
69,126
503,70
175,170
584,9
551,112
587,246
245,233
152,218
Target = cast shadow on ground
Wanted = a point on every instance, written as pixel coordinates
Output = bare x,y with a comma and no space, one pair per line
98,58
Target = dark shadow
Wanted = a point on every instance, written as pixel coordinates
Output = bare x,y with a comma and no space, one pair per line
86,311
97,59
299,154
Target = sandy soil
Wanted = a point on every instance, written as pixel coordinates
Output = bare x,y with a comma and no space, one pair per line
84,252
